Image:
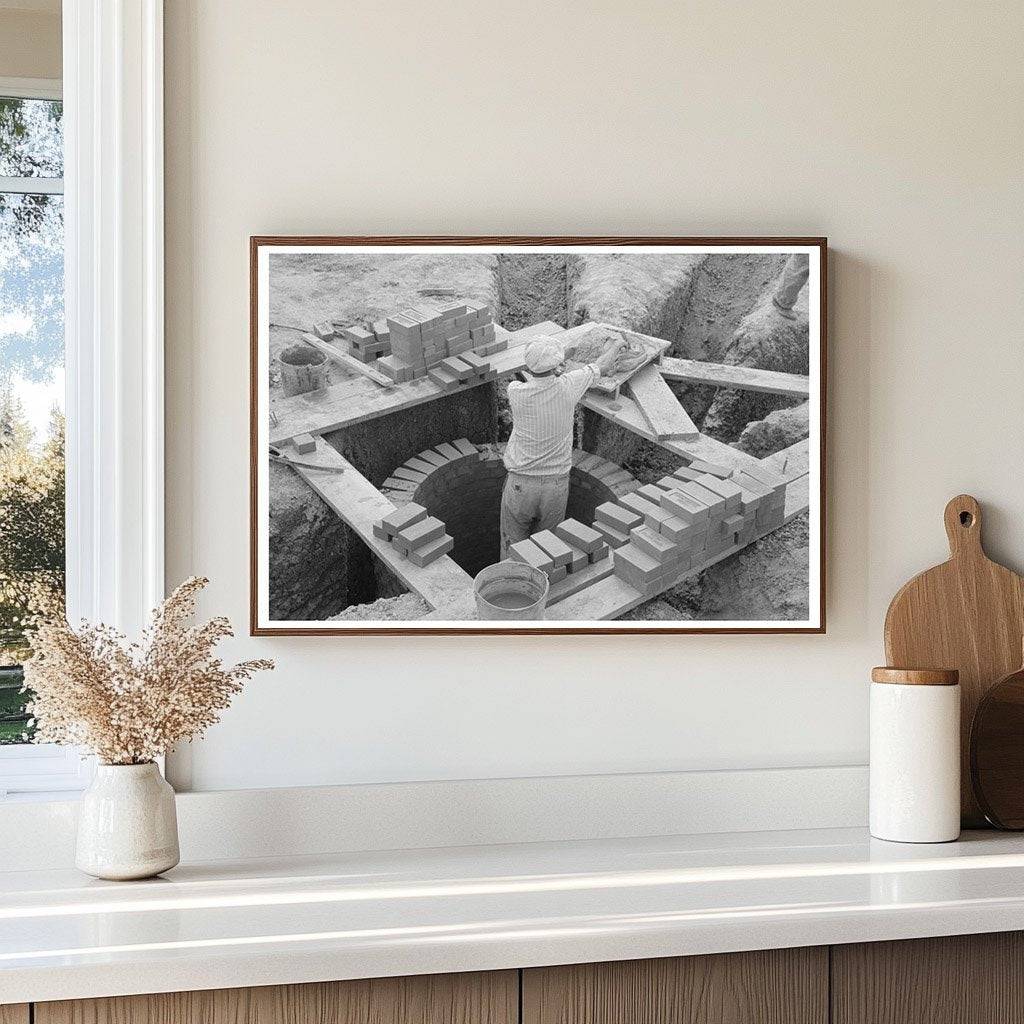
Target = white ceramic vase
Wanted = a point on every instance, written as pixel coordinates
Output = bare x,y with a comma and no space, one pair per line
127,825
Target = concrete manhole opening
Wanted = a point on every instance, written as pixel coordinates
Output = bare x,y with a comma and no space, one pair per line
464,492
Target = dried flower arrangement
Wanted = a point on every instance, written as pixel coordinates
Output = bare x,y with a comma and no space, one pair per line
129,703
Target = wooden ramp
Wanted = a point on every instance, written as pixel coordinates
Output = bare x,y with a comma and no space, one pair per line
659,406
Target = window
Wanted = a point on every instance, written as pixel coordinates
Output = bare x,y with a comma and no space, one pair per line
32,486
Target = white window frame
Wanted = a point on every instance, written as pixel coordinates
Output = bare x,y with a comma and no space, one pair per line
114,324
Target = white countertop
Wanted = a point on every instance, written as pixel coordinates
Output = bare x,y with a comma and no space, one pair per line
261,922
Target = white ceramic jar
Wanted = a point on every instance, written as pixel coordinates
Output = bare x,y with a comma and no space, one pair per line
915,755
127,823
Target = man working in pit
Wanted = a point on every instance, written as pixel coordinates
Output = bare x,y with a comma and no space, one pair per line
538,456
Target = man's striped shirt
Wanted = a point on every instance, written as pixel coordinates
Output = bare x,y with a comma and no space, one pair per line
543,409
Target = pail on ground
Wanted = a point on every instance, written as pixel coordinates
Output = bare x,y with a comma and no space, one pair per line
510,590
303,369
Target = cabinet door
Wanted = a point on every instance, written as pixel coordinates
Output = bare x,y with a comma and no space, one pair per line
778,986
961,979
483,998
14,1013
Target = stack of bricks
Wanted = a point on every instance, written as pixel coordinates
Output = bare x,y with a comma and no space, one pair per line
418,536
569,548
468,368
367,345
425,335
687,518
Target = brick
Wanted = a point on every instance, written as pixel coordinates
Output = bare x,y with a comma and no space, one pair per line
684,506
449,451
578,535
452,309
432,551
580,560
734,523
394,484
403,517
635,567
714,502
554,547
435,459
400,326
726,489
635,503
403,473
358,336
324,330
464,445
478,362
652,492
700,466
528,552
304,443
419,533
656,518
654,544
599,553
618,517
483,334
556,573
380,329
419,465
618,478
587,461
686,474
764,475
748,483
614,538
678,531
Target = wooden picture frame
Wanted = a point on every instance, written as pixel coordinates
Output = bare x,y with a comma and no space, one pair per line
368,396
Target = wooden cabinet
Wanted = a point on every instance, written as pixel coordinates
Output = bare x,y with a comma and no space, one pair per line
970,979
778,986
962,979
491,998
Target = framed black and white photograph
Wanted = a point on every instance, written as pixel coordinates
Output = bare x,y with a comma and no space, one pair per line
537,435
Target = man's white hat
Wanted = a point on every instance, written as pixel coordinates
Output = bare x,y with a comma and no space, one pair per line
543,355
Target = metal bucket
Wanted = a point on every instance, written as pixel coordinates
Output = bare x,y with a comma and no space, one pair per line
510,590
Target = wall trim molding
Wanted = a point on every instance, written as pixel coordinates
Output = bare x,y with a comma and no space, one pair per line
114,308
31,88
241,824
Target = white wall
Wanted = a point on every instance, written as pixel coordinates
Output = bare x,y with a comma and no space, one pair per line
30,39
895,129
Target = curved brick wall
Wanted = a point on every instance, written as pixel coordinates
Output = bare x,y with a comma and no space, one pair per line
460,483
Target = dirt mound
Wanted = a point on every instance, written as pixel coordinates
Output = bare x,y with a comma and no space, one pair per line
769,341
776,431
402,608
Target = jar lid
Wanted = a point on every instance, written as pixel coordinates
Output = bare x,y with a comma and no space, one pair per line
916,676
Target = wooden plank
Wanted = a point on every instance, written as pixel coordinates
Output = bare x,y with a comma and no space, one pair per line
360,504
357,400
612,597
625,412
14,1013
772,986
744,378
478,998
966,979
349,362
659,406
791,462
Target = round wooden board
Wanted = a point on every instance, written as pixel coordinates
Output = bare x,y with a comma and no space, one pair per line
968,614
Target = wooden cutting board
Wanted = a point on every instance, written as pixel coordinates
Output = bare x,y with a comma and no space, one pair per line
967,614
